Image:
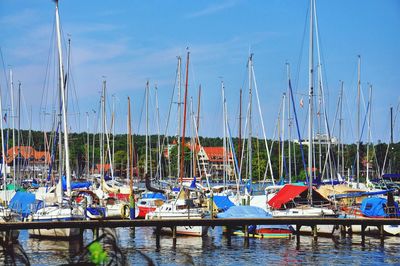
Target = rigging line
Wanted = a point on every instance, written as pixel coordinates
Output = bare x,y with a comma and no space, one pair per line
297,79
362,130
348,127
4,67
320,54
141,111
298,133
262,125
165,137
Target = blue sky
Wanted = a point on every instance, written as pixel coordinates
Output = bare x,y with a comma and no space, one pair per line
130,42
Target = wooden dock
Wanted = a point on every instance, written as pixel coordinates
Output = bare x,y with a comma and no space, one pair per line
95,225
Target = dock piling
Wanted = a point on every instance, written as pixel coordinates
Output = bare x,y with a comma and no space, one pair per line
158,232
363,235
174,236
314,231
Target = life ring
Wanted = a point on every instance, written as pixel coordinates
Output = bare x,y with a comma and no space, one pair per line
125,211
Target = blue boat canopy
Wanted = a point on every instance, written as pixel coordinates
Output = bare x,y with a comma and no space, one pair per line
376,207
151,195
391,176
75,185
21,203
222,203
244,212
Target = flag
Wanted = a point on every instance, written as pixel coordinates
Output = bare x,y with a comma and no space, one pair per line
301,103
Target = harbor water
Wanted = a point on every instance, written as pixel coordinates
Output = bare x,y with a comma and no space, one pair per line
138,247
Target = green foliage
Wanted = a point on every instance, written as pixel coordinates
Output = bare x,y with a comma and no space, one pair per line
78,153
97,254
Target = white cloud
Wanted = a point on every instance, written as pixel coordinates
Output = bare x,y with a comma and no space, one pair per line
212,9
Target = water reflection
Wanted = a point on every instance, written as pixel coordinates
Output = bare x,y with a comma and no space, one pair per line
138,247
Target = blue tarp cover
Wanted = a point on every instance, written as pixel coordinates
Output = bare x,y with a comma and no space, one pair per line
75,185
244,212
391,176
21,202
154,196
222,202
375,207
359,194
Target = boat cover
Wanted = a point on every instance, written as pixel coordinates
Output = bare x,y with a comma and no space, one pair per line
391,176
244,211
286,194
21,203
75,185
375,207
222,203
154,196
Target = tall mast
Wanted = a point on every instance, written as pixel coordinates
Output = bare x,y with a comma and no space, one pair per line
113,132
64,107
158,136
181,172
249,143
13,120
102,136
224,161
340,164
197,135
240,132
128,164
358,120
289,126
3,165
179,116
391,125
283,132
319,114
88,144
310,100
131,192
19,134
130,169
147,129
369,130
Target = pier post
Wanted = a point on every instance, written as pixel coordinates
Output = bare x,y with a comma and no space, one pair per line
246,231
211,205
343,231
298,236
350,231
95,233
381,234
314,231
246,236
81,237
363,234
174,236
228,235
158,232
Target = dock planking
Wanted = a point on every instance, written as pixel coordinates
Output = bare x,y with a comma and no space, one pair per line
92,224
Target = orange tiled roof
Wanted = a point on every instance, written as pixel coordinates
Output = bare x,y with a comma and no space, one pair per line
106,167
216,154
27,152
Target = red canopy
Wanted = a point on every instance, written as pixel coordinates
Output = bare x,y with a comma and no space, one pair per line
286,194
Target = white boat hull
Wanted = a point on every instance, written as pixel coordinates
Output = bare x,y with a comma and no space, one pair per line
57,232
54,214
168,212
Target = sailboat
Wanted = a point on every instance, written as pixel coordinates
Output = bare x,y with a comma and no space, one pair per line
304,201
61,210
186,205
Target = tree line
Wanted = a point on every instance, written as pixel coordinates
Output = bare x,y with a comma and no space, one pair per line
79,148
